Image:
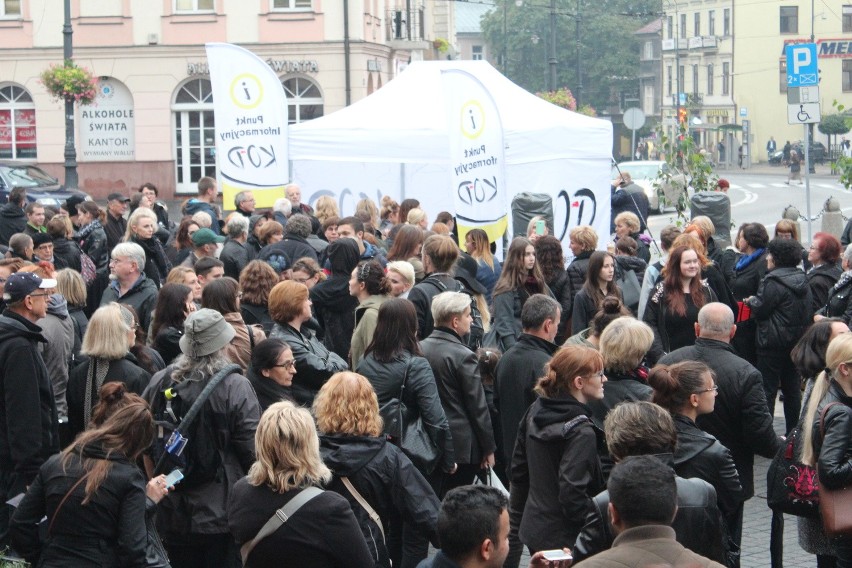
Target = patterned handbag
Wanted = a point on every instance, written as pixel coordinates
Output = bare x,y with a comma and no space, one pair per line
791,486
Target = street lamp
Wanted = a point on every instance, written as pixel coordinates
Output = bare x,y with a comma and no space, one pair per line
71,180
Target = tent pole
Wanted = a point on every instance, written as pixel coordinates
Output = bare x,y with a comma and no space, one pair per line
347,52
402,182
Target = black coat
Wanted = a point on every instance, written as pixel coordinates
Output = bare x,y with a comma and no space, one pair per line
258,315
107,532
421,396
115,230
323,533
157,265
821,279
421,296
838,305
577,271
506,315
741,420
142,296
387,480
314,363
834,463
516,375
782,308
167,343
459,385
126,370
744,283
66,254
630,198
335,310
697,523
555,472
268,391
560,287
663,321
94,244
235,255
294,247
12,220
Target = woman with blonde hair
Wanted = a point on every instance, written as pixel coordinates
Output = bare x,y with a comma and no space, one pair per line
555,470
488,268
142,229
389,215
186,276
323,533
353,447
72,287
627,224
325,208
401,278
418,218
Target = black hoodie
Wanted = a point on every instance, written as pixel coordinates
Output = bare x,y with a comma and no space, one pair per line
333,306
782,309
12,220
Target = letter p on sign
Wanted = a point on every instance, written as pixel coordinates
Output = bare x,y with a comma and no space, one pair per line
802,68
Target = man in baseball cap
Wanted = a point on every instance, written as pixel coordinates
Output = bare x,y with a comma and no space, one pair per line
116,224
204,242
28,420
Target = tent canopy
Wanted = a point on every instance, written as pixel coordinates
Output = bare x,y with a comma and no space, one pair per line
405,122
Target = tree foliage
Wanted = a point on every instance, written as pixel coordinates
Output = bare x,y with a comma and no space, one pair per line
833,124
609,51
683,156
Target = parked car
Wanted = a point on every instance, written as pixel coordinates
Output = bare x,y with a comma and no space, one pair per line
644,174
41,186
817,150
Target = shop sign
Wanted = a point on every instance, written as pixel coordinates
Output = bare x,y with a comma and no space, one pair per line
107,126
277,65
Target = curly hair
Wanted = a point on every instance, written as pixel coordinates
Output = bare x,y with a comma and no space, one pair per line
549,255
347,404
256,281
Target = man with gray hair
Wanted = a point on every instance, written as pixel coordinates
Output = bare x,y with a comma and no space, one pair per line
282,209
244,203
236,252
295,244
128,283
456,371
741,419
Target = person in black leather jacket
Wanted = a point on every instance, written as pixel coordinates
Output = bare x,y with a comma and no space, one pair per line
91,236
824,255
583,242
827,428
838,305
290,307
688,390
643,428
782,309
353,447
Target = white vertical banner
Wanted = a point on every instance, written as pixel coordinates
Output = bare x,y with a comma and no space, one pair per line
250,109
477,166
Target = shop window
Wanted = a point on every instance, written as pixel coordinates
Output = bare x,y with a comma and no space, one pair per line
10,8
194,134
789,19
194,5
304,99
17,123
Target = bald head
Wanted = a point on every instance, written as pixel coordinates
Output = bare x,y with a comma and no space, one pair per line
716,321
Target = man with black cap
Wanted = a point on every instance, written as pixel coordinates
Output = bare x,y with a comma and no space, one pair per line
43,249
70,207
116,225
205,242
28,420
12,217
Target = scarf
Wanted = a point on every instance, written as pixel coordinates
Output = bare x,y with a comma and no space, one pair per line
745,260
87,230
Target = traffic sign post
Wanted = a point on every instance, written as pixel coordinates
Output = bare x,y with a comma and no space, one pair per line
802,69
805,113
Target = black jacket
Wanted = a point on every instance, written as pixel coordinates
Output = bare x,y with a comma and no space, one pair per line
821,279
12,220
195,205
268,391
577,271
583,311
94,244
506,315
115,230
421,296
157,264
834,450
516,375
555,472
697,523
235,255
109,531
66,254
167,343
142,296
630,198
314,363
459,385
624,263
28,419
387,480
741,420
838,305
421,396
664,321
294,247
333,306
126,370
744,283
698,454
257,315
782,308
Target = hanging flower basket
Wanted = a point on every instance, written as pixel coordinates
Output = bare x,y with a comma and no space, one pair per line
69,82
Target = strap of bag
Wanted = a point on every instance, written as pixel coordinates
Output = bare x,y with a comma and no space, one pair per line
363,502
195,409
401,402
67,495
279,518
251,336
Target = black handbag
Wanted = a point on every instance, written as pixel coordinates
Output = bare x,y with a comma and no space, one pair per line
406,431
791,486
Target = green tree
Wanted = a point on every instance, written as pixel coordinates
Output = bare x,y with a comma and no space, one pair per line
683,157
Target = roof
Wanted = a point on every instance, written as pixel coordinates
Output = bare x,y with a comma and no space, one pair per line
652,27
469,15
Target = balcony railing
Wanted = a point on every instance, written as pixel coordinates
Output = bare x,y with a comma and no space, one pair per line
406,25
697,42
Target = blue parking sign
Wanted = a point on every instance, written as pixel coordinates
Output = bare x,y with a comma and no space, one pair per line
802,68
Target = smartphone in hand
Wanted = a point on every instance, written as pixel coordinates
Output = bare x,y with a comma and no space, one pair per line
174,478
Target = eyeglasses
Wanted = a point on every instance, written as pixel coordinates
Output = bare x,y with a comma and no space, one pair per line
38,295
714,388
286,364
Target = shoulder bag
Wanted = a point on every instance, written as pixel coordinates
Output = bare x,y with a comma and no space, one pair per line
409,433
279,518
835,505
791,486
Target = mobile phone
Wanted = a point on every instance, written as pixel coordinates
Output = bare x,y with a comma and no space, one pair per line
174,478
539,227
554,555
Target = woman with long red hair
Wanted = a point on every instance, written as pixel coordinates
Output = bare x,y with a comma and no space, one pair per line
674,304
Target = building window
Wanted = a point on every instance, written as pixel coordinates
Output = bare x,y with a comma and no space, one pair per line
726,78
682,31
195,135
476,51
648,100
847,18
304,99
681,80
669,81
669,27
695,79
291,4
697,25
711,22
782,76
17,123
789,19
847,75
10,8
649,51
710,79
194,5
726,22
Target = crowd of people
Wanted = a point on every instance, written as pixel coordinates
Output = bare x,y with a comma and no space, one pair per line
308,387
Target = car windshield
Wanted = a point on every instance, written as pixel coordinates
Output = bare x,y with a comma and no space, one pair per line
27,176
639,171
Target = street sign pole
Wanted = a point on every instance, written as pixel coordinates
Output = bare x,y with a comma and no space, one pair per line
808,178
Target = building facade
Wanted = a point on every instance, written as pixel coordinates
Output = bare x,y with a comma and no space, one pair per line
153,119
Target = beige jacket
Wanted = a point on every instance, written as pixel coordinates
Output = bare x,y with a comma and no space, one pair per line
239,350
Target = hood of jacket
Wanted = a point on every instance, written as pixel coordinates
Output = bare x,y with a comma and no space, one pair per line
195,205
828,270
57,306
346,455
12,325
791,278
370,251
333,294
11,211
633,263
343,256
691,440
552,418
97,452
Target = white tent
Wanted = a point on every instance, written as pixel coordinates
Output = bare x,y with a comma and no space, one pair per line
395,142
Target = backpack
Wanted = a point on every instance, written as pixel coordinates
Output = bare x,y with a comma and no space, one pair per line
186,433
477,330
88,270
